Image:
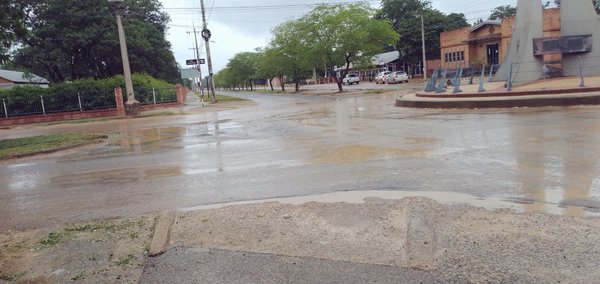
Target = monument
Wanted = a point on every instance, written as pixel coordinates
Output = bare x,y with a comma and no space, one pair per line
580,38
579,17
528,25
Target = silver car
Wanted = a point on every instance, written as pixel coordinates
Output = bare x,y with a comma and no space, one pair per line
381,77
397,77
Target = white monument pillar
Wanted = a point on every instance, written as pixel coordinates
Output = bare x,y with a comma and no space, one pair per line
578,17
528,25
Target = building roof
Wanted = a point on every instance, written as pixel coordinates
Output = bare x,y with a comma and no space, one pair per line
485,23
20,77
379,59
385,58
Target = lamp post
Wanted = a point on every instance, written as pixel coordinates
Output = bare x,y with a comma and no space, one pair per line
423,46
132,104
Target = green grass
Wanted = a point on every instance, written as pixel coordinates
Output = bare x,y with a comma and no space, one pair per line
223,98
79,276
14,148
52,239
125,261
11,277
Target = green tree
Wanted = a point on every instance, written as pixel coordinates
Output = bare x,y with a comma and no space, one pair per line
288,46
405,16
502,12
70,40
336,35
243,68
273,63
223,79
12,27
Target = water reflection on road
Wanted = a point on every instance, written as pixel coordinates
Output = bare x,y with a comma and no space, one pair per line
294,146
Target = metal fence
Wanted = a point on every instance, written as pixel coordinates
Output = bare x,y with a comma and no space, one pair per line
153,96
32,104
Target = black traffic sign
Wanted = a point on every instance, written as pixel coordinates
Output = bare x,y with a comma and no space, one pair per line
195,61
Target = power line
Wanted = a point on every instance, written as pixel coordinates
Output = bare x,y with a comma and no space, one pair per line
262,7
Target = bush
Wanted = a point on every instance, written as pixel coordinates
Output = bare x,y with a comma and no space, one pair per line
93,94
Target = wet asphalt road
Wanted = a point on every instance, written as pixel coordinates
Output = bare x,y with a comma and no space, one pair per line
301,145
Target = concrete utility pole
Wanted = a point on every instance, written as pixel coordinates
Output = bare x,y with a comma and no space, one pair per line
206,35
132,104
423,42
201,80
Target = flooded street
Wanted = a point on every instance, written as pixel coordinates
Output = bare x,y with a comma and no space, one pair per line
538,160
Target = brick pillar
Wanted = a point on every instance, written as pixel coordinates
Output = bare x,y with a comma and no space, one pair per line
119,101
180,94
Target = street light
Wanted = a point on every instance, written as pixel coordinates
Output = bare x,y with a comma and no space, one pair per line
132,104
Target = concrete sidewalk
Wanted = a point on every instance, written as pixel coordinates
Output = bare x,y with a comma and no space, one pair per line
410,240
193,265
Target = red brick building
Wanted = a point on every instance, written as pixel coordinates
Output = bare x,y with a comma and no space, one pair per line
488,42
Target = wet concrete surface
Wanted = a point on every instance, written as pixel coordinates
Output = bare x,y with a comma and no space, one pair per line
188,265
296,145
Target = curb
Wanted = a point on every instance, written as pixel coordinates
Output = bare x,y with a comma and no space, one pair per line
162,232
500,102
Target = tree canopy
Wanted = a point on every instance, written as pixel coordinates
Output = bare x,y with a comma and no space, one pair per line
71,40
336,35
12,27
405,16
502,12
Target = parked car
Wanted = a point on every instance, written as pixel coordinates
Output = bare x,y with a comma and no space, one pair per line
381,77
397,77
351,79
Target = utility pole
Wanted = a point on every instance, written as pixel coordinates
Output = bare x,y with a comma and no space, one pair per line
132,104
206,35
201,80
423,41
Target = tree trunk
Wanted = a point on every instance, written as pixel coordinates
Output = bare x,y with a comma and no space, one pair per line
338,81
297,86
282,83
271,84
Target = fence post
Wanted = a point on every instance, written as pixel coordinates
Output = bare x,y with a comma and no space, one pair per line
119,101
510,82
457,81
79,99
5,110
442,85
481,88
43,107
153,95
582,83
472,75
179,94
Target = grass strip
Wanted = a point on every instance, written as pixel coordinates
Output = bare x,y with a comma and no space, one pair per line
15,148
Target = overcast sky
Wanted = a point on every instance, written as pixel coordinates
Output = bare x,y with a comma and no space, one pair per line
243,25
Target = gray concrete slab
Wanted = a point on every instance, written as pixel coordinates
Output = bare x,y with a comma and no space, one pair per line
189,265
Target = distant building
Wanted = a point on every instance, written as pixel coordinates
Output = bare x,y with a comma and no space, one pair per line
388,61
9,79
488,42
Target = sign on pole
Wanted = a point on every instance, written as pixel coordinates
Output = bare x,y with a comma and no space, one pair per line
195,61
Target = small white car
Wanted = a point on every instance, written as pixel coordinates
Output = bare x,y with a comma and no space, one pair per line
351,79
397,77
381,77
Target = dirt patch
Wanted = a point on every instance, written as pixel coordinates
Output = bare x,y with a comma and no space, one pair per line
110,251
